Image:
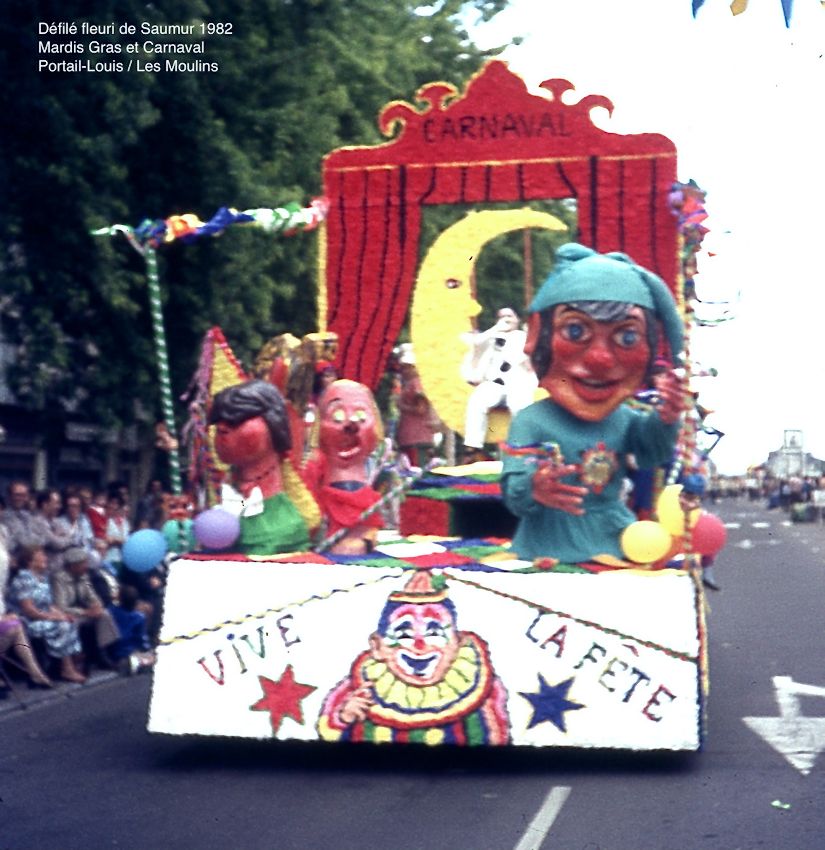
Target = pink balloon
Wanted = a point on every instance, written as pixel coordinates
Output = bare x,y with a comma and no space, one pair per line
708,535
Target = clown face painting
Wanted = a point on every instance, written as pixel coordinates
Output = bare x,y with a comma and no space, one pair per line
420,680
418,643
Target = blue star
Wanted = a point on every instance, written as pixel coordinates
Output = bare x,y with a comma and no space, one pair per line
550,703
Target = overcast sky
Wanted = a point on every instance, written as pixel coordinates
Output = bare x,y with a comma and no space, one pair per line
743,99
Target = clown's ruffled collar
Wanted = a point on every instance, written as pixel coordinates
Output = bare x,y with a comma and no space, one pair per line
464,687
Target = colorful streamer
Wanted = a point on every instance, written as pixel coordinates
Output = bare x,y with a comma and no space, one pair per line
687,203
152,233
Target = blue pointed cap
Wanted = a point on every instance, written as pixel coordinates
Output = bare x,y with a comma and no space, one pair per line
694,484
582,274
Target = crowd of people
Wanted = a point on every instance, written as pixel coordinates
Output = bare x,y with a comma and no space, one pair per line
68,603
776,491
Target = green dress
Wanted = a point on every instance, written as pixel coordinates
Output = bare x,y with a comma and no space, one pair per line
279,528
600,450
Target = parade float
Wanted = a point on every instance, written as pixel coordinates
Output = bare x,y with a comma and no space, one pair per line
300,618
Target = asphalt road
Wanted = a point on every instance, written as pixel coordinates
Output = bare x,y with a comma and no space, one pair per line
78,769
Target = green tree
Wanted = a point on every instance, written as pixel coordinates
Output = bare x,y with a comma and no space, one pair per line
84,150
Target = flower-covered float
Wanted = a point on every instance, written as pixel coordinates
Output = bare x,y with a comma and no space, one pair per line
518,601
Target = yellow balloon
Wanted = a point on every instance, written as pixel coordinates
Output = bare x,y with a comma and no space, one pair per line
645,541
669,512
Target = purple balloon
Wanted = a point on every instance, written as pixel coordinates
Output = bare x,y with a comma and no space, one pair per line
216,528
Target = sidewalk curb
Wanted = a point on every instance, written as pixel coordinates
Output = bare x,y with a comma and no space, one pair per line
63,690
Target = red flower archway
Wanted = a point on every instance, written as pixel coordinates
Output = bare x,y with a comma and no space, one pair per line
495,143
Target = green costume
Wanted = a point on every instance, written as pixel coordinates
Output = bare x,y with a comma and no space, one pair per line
600,450
279,528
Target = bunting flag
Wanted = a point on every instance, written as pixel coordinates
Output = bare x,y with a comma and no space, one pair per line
739,6
287,220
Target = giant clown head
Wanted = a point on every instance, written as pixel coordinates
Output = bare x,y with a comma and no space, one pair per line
594,330
349,424
417,637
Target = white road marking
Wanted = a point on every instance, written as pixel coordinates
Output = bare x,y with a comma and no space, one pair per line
733,525
760,525
799,739
749,544
537,831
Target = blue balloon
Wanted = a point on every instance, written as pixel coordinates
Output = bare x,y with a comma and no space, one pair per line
144,550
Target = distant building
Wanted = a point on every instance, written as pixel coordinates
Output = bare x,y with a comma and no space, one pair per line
789,462
82,452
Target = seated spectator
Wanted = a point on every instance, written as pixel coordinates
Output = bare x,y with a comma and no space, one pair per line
117,529
5,563
30,597
133,650
12,633
103,574
149,587
17,518
95,506
149,511
47,530
74,522
132,616
110,581
74,595
13,636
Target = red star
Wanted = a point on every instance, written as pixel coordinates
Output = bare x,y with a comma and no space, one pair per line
282,698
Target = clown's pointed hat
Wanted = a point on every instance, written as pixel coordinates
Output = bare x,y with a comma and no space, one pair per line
421,587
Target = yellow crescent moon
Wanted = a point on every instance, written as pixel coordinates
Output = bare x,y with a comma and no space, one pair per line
443,306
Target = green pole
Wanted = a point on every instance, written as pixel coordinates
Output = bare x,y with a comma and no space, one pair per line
163,365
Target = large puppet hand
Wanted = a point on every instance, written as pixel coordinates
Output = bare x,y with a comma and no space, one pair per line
356,705
671,389
550,491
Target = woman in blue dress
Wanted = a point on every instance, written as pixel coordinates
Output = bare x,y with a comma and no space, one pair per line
30,597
